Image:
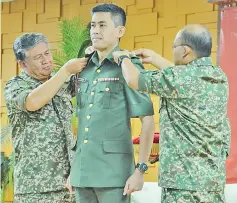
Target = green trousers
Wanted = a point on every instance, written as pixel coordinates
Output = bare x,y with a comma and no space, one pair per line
170,195
101,195
62,196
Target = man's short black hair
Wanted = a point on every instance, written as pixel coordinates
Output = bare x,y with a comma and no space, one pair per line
117,13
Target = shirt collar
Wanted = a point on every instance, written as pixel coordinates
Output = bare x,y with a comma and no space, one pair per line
201,61
95,58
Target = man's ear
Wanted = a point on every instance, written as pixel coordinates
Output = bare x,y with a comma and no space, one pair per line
22,64
187,50
121,31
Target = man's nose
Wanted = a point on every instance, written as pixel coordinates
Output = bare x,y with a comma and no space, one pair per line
45,60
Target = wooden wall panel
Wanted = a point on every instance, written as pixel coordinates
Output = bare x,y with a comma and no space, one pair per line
134,23
12,23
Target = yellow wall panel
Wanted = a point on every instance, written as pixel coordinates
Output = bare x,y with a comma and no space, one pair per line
74,10
181,21
85,12
127,43
169,36
43,18
195,6
8,39
214,39
52,34
120,2
161,26
15,25
5,7
141,4
40,6
213,57
132,10
9,66
211,26
206,17
159,7
17,6
170,10
31,5
88,2
52,8
3,103
29,21
146,38
134,23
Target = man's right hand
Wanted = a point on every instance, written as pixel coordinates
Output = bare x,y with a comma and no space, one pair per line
75,66
147,56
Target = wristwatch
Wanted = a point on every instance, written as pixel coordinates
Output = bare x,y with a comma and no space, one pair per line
120,59
142,167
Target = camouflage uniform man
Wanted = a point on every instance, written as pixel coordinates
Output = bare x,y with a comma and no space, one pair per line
195,131
103,169
39,108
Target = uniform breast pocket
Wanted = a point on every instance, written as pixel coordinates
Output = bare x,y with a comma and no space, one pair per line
82,93
109,95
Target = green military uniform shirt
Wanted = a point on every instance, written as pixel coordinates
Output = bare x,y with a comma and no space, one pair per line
195,131
104,153
41,142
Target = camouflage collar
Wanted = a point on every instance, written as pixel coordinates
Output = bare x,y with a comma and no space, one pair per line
201,61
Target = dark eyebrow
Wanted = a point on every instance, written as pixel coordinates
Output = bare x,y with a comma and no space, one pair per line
100,22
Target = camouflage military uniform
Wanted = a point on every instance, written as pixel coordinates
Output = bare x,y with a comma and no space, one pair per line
195,131
42,139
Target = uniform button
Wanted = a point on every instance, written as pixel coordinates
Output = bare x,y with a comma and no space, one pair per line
91,105
88,117
92,93
107,89
85,141
86,129
94,82
98,71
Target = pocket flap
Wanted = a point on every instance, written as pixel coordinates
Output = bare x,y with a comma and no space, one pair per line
82,85
122,147
109,87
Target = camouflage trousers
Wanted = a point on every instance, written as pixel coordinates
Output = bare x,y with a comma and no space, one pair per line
62,196
170,195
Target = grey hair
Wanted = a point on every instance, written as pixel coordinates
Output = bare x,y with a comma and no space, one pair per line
25,42
200,42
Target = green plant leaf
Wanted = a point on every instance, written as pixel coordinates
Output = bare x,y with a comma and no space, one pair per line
74,34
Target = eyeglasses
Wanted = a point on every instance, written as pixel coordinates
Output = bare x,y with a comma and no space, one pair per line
175,46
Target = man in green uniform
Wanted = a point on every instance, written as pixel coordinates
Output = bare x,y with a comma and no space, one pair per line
39,108
195,130
103,169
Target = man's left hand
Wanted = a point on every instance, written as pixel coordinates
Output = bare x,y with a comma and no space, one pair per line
134,183
117,54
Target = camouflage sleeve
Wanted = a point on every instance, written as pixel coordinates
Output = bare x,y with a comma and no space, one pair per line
139,104
16,92
171,82
226,139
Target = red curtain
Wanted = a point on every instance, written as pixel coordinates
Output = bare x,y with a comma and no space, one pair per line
228,62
